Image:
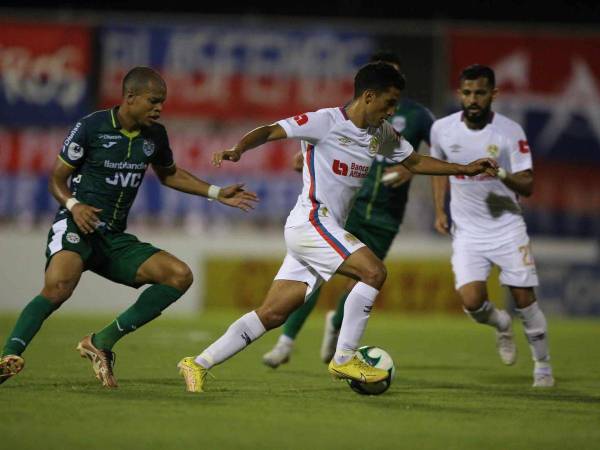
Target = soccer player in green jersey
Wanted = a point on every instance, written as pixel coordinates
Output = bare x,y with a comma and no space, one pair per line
375,219
105,157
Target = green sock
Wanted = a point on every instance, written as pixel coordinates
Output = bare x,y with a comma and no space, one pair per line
28,324
148,306
294,322
339,312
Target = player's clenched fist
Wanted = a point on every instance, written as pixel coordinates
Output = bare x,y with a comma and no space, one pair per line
227,155
487,165
85,217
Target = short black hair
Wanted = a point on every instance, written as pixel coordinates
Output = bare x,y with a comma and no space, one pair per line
378,76
138,78
476,71
386,56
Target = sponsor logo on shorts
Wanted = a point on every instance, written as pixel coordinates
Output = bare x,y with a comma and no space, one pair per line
148,147
73,238
75,151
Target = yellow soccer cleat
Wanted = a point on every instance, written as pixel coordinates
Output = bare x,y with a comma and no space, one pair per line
355,369
193,374
10,365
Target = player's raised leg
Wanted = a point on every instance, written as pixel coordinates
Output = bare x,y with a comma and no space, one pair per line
283,297
60,279
281,352
536,331
480,309
362,265
170,279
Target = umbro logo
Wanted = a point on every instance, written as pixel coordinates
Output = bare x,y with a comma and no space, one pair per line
343,140
455,148
108,144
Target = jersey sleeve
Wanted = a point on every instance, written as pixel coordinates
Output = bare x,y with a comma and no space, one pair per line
74,149
395,147
435,149
310,126
520,153
164,155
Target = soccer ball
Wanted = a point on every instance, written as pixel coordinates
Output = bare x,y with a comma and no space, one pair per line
376,357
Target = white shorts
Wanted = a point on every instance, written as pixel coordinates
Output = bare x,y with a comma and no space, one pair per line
472,261
315,251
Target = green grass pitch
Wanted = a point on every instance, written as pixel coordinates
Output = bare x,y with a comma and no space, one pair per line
450,391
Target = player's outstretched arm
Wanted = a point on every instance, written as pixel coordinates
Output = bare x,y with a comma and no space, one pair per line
181,180
426,165
519,182
253,139
84,215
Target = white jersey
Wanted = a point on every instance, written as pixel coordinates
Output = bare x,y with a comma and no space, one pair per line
482,207
337,158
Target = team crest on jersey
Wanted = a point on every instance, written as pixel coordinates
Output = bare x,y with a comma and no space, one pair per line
493,150
74,151
73,238
148,147
351,238
373,145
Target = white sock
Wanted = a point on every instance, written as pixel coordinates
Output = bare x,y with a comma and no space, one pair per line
356,315
489,315
240,334
285,341
536,330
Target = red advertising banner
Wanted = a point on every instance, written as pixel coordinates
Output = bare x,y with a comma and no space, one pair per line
44,73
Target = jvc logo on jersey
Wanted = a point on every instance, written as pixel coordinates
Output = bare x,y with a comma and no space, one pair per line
125,179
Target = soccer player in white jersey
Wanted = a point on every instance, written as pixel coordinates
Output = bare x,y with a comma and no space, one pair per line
487,223
338,145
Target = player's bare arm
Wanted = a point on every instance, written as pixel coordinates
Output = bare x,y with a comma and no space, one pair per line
519,182
253,139
84,215
426,165
181,180
298,162
439,185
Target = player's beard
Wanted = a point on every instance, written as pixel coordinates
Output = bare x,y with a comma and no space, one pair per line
481,117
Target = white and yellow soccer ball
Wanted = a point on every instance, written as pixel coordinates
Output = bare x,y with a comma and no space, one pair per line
376,357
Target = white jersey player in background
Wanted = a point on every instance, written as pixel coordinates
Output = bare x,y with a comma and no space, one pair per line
487,223
338,146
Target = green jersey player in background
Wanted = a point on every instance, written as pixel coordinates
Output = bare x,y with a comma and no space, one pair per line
375,219
105,156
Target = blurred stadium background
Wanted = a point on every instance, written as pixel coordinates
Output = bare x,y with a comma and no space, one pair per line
229,73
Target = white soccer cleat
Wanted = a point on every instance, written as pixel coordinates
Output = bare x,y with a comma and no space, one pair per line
505,343
280,354
542,375
330,337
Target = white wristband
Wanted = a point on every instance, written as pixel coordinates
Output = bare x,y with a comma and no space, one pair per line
213,192
502,173
70,203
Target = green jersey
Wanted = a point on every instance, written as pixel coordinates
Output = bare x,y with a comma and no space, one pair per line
110,164
376,203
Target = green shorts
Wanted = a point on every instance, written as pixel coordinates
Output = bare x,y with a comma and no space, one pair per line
112,255
378,239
